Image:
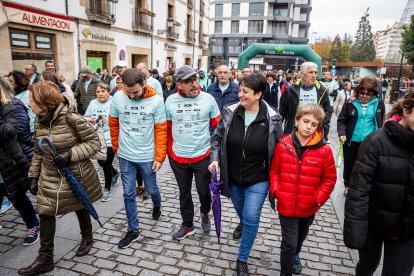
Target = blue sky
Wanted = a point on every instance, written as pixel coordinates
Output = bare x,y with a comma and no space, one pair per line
329,17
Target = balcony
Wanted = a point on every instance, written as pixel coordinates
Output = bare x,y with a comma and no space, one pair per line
100,11
172,33
191,37
141,20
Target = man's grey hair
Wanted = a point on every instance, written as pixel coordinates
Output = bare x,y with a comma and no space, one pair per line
304,66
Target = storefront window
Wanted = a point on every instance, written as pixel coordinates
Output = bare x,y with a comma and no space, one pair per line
31,47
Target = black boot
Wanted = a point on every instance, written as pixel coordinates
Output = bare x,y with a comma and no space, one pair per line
242,269
42,264
156,212
85,246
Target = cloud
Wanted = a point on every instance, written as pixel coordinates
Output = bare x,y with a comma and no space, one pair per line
330,17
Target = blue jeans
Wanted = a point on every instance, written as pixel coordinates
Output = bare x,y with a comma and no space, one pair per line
248,203
128,175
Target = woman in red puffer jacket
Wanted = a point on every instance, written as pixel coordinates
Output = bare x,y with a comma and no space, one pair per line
302,177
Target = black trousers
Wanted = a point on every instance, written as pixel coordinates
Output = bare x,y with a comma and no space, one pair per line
108,169
294,232
350,154
328,123
184,175
48,229
398,257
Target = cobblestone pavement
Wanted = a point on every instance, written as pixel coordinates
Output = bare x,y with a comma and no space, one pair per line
155,253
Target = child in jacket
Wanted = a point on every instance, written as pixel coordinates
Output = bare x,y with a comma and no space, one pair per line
302,177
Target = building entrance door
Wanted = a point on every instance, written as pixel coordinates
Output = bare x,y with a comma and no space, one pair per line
96,59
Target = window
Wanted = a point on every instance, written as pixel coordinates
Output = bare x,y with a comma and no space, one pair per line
218,27
256,9
279,27
281,11
250,41
218,46
235,27
255,26
235,45
235,9
219,10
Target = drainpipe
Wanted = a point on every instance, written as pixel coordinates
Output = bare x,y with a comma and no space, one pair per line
152,34
192,33
67,7
78,43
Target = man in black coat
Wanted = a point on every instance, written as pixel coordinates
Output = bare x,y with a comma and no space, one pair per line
305,90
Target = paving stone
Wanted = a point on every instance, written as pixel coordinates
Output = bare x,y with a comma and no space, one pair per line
166,269
190,265
126,259
85,269
148,264
166,260
128,269
105,264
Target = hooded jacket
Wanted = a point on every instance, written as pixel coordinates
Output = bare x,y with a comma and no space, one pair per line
380,200
289,102
24,136
204,81
66,130
14,164
302,177
218,141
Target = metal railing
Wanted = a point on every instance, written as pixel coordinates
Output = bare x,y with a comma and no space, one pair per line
141,21
100,11
172,33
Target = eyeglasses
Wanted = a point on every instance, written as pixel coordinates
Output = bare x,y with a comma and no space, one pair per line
365,94
191,81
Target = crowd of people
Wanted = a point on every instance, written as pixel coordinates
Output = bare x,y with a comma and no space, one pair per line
266,132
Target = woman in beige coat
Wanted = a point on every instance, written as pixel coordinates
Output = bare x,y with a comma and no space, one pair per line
75,141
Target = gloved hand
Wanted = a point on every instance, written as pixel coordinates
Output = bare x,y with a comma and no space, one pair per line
63,158
33,185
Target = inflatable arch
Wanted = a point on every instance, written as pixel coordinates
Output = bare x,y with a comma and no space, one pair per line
279,50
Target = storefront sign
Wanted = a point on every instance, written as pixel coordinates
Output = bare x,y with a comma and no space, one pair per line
279,50
29,16
87,33
169,46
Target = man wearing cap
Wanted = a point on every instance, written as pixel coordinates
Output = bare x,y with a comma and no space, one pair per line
138,131
85,90
190,113
121,66
150,80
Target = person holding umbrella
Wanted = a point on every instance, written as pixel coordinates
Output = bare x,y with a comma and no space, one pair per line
190,113
244,142
75,141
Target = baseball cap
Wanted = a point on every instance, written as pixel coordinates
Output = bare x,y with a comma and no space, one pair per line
122,63
184,73
85,70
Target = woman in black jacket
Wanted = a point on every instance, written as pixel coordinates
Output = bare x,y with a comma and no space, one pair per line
14,168
244,142
379,209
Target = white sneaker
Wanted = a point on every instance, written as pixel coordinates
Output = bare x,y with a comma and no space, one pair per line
106,195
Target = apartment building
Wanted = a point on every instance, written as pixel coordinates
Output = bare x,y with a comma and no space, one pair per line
235,25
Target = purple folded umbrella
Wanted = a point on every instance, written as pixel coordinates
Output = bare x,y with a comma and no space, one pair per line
215,187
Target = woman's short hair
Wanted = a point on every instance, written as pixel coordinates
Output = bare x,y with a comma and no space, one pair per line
369,84
60,77
169,79
255,81
20,79
49,75
6,91
104,86
311,109
46,95
271,75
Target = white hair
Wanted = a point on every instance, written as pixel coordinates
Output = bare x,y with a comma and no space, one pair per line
304,66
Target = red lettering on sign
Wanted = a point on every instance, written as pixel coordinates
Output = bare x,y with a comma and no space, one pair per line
41,20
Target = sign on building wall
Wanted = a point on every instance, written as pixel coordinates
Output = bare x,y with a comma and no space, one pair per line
29,16
94,35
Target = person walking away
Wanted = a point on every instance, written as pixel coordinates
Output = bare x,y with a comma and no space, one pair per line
190,113
271,95
342,98
85,90
243,143
223,91
138,130
100,108
14,165
302,177
332,89
75,141
169,87
360,116
379,209
303,91
384,89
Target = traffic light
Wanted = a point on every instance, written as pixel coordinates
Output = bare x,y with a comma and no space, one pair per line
334,64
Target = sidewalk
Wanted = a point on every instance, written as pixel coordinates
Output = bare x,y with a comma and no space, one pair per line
155,253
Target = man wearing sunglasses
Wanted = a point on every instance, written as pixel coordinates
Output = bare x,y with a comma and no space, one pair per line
190,114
